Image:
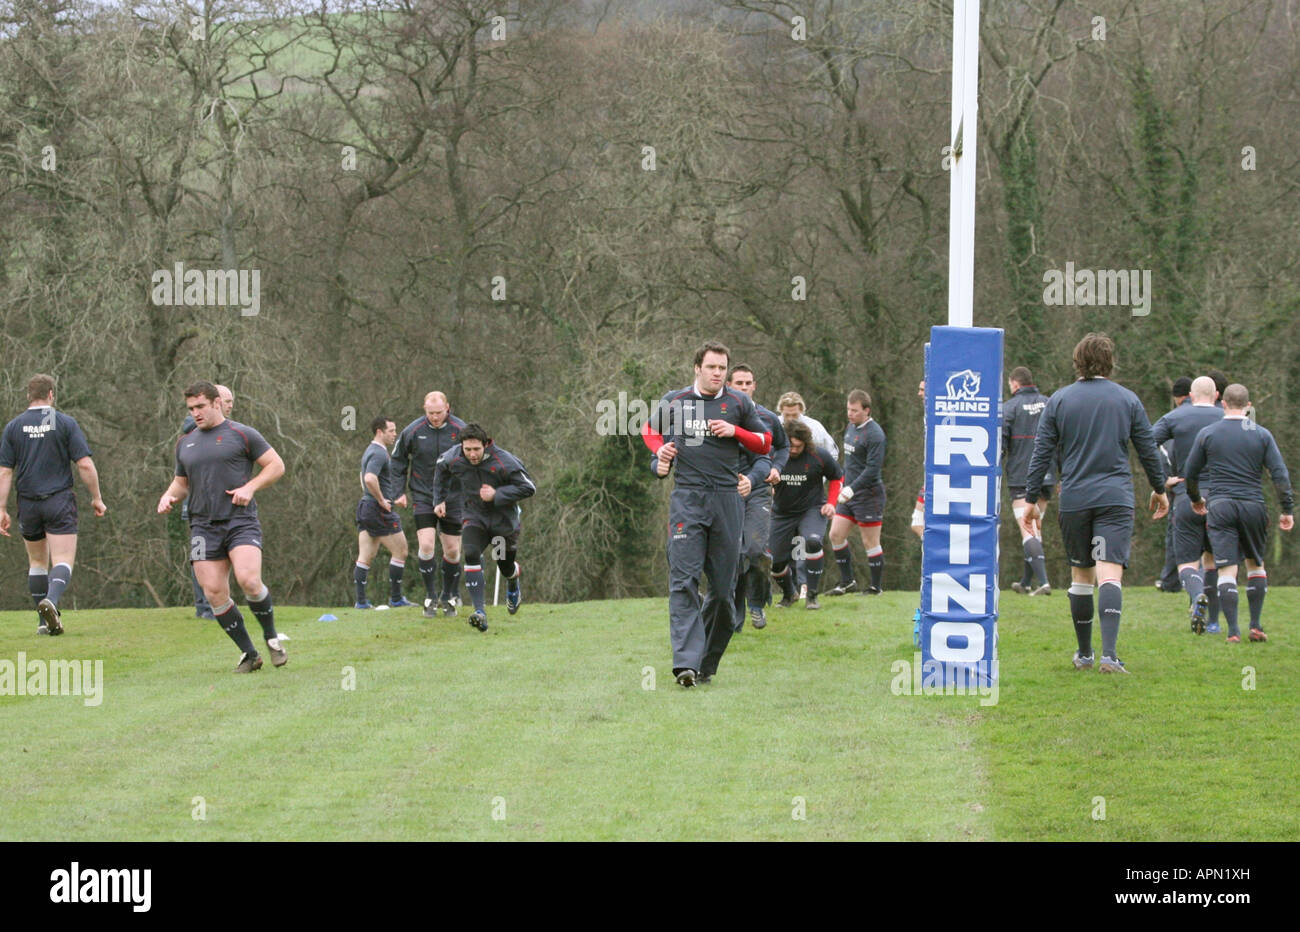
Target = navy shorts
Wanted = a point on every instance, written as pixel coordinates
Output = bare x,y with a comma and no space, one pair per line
213,540
54,514
375,521
1237,531
1191,537
483,540
1097,534
809,525
866,508
424,517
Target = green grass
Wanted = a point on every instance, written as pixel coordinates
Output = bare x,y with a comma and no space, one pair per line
546,717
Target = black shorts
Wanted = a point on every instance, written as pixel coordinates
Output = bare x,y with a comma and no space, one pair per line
375,521
1191,537
54,514
484,541
1237,531
213,540
1018,492
1097,534
450,524
808,525
866,508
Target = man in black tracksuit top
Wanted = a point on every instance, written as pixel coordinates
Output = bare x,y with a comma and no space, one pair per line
492,482
417,451
763,471
1020,415
862,498
1091,423
701,430
1191,542
799,513
1228,457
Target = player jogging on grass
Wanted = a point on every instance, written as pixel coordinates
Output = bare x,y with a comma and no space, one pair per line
214,469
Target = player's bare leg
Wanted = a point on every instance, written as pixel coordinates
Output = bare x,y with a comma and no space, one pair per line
246,561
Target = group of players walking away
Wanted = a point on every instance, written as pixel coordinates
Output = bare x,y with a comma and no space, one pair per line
465,492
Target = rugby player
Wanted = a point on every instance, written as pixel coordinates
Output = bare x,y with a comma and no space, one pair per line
1168,581
419,447
494,482
201,607
800,510
764,472
1192,550
1228,457
701,430
1020,414
792,408
862,497
214,469
1090,424
37,449
377,523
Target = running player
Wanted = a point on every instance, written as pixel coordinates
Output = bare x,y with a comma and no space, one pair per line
701,429
764,472
214,468
1090,423
36,451
377,523
1020,414
201,607
1228,457
1168,581
1191,541
862,498
799,513
493,481
419,447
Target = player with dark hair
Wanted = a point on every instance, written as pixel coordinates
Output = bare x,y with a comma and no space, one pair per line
37,451
1191,541
377,523
1020,414
799,513
862,498
1229,457
201,607
752,589
1168,581
1090,424
419,447
214,468
701,430
494,481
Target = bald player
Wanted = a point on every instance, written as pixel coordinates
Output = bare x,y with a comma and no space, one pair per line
1227,460
415,456
1192,550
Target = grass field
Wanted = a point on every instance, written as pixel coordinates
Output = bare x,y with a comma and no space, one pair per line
543,728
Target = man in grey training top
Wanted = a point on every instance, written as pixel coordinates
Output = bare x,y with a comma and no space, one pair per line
1191,541
201,607
700,430
214,469
36,453
1228,457
377,522
1091,423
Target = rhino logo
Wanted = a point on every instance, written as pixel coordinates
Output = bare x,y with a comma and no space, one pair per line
964,385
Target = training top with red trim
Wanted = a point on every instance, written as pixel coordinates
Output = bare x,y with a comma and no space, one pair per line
704,461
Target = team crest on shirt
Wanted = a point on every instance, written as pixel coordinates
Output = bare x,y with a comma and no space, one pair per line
678,534
724,407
